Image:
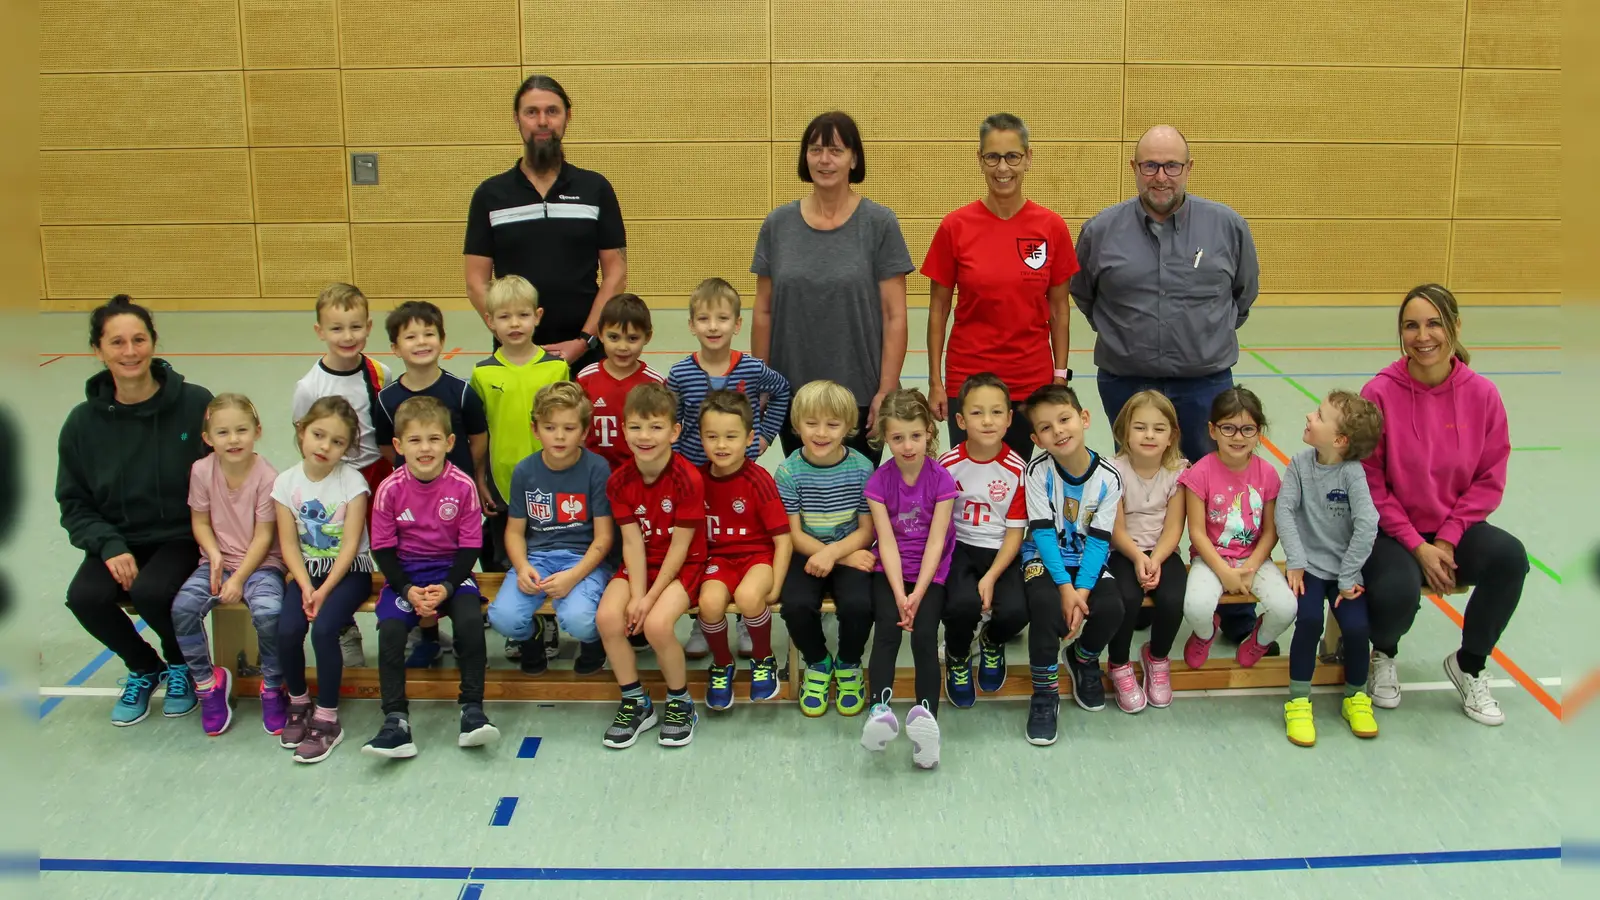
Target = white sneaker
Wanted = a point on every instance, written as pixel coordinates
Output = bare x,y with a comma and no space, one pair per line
746,647
923,730
513,649
696,647
1476,701
552,637
881,728
355,656
1383,682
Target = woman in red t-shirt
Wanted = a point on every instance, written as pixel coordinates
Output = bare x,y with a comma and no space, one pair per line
1009,259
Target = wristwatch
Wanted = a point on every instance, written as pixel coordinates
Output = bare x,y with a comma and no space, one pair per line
589,339
1064,373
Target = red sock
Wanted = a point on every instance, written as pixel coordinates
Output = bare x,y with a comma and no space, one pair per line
760,634
717,638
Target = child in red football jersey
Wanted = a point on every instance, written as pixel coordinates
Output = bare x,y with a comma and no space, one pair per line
624,331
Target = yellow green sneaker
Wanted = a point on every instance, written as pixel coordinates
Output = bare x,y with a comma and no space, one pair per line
814,691
1358,712
1297,717
851,698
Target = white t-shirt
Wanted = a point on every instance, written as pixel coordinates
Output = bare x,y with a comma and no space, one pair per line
991,499
319,509
355,386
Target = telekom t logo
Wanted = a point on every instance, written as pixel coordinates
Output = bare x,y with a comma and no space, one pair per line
606,428
976,512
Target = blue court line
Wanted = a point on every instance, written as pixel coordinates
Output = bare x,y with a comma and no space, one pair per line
503,811
84,674
529,748
470,892
907,873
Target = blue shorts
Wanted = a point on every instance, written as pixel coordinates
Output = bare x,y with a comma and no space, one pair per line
392,606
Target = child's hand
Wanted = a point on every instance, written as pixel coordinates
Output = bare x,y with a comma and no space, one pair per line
1149,572
314,600
1350,594
560,584
1247,577
908,609
214,564
1297,582
862,560
232,589
1074,607
528,580
638,607
305,593
986,591
821,564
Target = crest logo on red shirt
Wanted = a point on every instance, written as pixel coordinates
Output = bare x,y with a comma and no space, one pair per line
666,505
738,505
571,507
1034,252
998,490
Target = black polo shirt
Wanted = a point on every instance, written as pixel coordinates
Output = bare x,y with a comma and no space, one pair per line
553,241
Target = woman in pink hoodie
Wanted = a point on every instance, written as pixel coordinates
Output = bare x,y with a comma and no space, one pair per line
1439,471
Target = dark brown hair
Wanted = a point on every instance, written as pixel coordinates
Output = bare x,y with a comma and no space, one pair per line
331,406
1053,394
651,401
627,311
980,380
120,305
732,403
413,311
1449,314
1236,400
540,83
826,128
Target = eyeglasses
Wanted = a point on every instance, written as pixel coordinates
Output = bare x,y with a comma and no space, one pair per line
1231,430
1012,159
1173,169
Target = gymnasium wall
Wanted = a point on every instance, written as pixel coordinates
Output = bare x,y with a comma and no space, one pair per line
195,153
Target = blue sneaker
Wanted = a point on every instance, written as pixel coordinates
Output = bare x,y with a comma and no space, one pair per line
425,653
181,699
134,704
991,665
719,693
763,679
958,684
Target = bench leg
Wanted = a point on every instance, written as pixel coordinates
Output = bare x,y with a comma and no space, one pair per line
233,635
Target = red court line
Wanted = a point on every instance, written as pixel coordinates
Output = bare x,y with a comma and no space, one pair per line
49,361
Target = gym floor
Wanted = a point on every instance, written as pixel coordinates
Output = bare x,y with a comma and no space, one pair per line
1199,799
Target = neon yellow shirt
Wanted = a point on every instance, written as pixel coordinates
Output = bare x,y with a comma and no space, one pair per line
507,391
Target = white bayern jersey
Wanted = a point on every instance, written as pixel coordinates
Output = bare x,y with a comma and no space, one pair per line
991,499
1077,509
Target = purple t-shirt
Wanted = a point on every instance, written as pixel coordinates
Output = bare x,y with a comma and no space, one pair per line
910,508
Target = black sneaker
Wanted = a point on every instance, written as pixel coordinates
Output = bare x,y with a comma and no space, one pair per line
476,729
633,717
1088,685
591,658
677,727
393,740
639,641
1042,712
533,660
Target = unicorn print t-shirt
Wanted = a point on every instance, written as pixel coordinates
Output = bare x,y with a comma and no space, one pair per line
1235,502
319,508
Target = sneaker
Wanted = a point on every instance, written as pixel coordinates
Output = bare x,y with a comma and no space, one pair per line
851,697
216,705
513,649
1197,651
696,647
552,637
321,737
533,661
274,709
923,730
1297,719
1476,701
1157,678
958,685
180,699
423,654
355,656
1130,699
633,716
134,704
296,718
393,740
764,679
746,646
1251,650
814,691
591,658
719,693
991,665
881,727
1357,710
677,725
640,642
1088,684
476,729
1043,710
1383,682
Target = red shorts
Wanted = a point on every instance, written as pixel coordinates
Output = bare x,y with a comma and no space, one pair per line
731,570
689,576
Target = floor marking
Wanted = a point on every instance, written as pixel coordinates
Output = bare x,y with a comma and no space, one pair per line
85,673
529,748
1582,693
453,352
49,361
470,891
1405,688
503,811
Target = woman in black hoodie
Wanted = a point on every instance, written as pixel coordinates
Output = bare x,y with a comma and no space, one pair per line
123,485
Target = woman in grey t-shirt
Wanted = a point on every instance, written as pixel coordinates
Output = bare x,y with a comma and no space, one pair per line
831,279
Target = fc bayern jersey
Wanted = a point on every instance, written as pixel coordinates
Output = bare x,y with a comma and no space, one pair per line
427,520
675,499
992,498
743,512
607,394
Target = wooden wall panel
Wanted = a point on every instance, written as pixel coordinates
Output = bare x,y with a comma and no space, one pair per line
952,30
683,181
294,108
426,184
290,34
300,184
580,32
141,111
87,262
144,187
389,107
1509,183
114,35
1349,33
301,260
408,259
382,33
1514,34
1339,256
664,103
1506,106
1361,181
1506,256
896,103
670,258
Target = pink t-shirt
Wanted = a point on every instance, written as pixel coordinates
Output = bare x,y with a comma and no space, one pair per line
234,513
1144,502
427,521
1235,502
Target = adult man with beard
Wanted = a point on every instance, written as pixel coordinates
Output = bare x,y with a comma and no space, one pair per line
553,223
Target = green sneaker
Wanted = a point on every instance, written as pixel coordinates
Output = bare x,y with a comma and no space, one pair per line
852,695
814,691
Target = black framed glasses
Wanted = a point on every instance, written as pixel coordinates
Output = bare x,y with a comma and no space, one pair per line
1012,159
1149,168
1232,430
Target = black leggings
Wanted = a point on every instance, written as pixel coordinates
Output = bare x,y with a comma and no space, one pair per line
802,611
94,598
1047,625
963,607
924,642
1018,437
1491,560
337,611
789,437
465,609
1165,617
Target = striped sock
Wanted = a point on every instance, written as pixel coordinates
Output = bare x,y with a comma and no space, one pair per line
1084,657
633,691
679,694
760,629
326,714
717,639
1046,679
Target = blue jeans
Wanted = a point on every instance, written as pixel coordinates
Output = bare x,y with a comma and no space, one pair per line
512,611
263,594
1353,625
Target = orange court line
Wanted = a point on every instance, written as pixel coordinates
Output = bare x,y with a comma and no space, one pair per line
1582,693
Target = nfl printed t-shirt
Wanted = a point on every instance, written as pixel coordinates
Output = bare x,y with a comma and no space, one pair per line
1235,502
991,497
427,521
1001,270
1144,501
827,499
911,509
560,506
319,510
234,513
360,386
743,512
606,394
676,499
1077,514
466,413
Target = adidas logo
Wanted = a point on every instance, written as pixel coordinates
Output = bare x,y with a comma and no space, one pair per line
406,516
600,403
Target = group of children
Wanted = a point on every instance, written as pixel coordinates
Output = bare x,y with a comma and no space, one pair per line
626,500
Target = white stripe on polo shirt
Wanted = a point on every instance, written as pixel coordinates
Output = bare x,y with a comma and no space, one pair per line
536,211
573,211
513,214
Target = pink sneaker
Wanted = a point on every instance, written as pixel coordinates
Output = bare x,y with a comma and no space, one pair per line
1196,651
1129,698
1157,678
1251,650
274,709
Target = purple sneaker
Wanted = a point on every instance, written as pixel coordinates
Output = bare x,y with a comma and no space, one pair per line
274,709
216,705
321,738
294,725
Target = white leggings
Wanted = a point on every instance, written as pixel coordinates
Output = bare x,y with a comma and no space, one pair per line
1278,603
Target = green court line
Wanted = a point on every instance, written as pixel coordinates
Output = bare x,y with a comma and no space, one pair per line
1534,449
1554,576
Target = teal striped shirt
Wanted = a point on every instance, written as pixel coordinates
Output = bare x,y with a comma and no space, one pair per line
828,499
